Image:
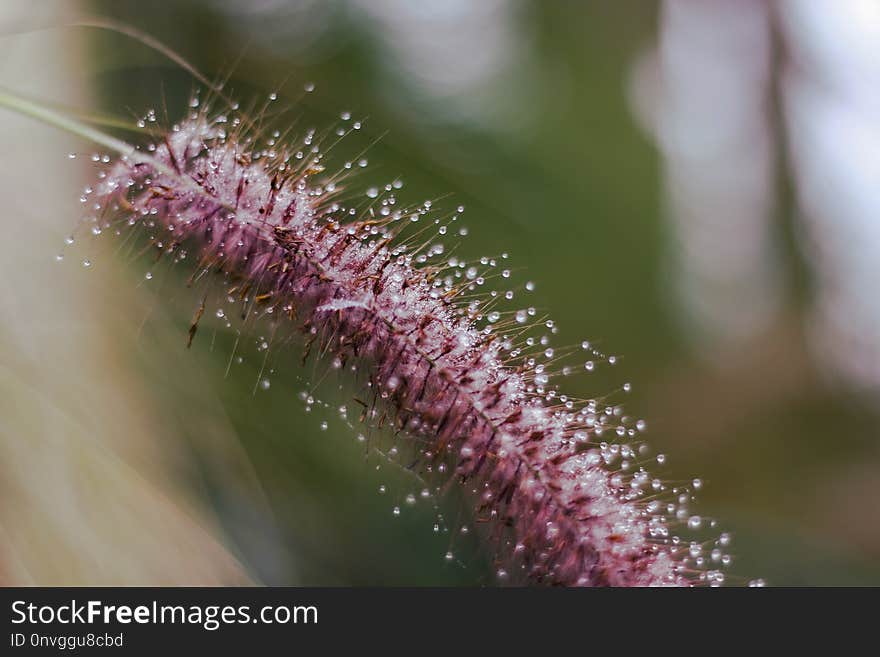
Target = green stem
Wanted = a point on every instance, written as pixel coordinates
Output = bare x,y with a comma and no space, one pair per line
42,113
35,110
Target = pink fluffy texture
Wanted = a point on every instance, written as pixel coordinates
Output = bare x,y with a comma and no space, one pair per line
559,513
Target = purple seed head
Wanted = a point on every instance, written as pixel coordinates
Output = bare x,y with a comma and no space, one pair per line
447,370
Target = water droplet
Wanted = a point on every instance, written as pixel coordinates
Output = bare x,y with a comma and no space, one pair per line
87,263
149,276
265,384
309,87
530,286
695,522
396,511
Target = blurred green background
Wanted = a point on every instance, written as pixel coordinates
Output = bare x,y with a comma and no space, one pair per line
524,112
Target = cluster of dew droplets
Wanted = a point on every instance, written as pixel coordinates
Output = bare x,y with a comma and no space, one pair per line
420,489
609,437
97,220
91,218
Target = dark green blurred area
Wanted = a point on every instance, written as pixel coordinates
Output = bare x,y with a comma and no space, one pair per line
572,191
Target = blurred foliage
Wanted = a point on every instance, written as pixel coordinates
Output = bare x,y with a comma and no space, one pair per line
573,194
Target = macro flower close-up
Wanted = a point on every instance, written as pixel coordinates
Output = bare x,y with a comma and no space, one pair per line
377,293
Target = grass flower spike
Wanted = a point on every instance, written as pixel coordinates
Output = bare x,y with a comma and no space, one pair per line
265,227
446,369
